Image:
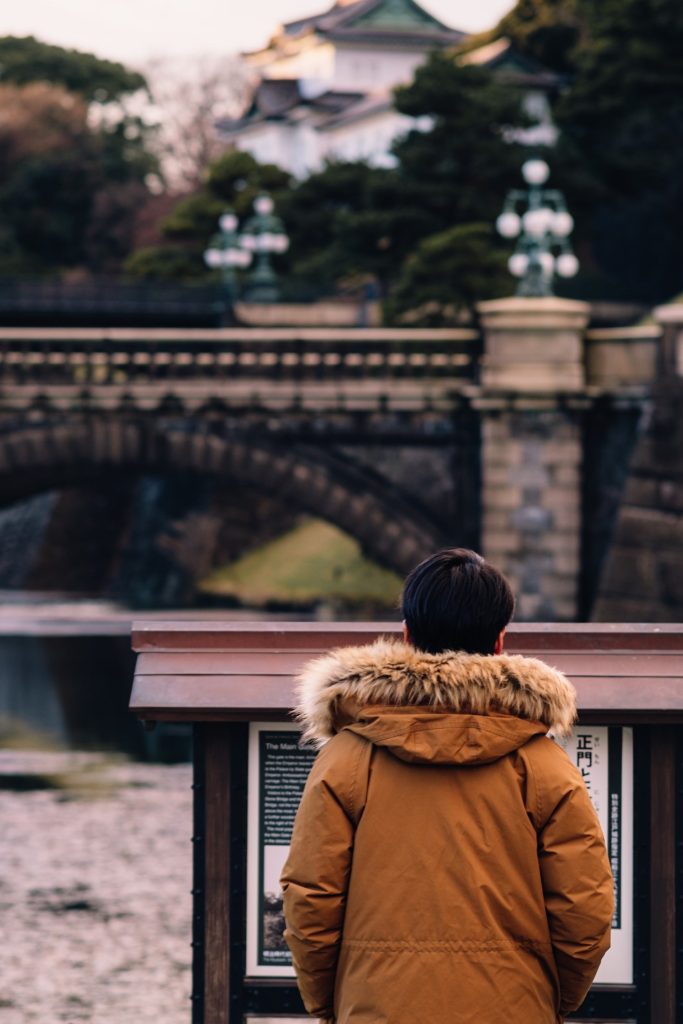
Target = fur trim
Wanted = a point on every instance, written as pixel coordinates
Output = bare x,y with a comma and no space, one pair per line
394,673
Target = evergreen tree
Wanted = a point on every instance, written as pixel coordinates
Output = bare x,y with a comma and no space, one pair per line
548,31
447,275
620,154
233,181
622,124
463,159
24,59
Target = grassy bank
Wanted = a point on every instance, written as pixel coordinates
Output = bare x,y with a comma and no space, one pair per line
310,564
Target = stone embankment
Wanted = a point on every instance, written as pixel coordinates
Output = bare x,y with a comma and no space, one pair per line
94,890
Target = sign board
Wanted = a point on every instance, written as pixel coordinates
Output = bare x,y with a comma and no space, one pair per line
604,756
278,769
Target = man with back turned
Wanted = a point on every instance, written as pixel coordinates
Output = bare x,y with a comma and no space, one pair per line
447,865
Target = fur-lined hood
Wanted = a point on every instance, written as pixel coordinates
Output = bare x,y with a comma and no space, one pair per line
381,690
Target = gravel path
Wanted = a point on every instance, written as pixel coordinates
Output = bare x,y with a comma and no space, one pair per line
95,879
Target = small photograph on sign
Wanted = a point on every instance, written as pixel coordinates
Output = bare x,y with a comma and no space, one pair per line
274,858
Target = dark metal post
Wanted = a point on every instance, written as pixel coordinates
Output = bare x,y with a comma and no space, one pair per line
663,875
216,874
198,902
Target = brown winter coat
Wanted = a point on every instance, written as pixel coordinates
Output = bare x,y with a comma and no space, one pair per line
447,866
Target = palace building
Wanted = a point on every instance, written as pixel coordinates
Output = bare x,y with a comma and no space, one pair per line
323,84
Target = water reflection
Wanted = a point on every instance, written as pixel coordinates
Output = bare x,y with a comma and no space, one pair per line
72,691
66,670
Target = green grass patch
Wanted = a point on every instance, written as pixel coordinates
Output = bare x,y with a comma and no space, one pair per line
312,563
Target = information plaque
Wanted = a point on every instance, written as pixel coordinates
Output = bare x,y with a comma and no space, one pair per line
279,767
604,756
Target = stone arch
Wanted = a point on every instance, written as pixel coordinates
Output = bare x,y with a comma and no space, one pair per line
38,457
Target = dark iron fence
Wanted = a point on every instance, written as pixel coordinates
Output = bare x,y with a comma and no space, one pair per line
108,302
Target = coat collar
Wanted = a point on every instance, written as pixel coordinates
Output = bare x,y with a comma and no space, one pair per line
396,674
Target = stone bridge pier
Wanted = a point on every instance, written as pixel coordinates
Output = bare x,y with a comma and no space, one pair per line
560,409
533,404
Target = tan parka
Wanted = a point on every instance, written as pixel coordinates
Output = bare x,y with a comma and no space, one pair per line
447,865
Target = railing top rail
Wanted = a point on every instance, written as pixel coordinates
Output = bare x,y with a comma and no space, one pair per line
644,332
237,334
214,671
209,634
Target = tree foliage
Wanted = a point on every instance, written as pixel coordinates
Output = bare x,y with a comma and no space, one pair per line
619,161
351,224
620,153
447,275
73,171
548,31
462,162
233,181
622,123
350,221
24,59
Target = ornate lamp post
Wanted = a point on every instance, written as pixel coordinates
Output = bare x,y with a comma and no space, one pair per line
539,219
225,253
263,235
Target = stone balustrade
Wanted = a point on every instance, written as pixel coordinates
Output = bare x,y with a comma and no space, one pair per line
94,358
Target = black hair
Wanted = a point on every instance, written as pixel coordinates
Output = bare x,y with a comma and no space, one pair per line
456,601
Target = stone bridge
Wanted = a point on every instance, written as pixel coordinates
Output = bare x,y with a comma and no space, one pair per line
514,438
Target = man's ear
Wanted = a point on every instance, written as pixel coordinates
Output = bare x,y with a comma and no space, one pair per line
500,642
406,634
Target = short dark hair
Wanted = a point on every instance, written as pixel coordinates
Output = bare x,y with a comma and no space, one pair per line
456,601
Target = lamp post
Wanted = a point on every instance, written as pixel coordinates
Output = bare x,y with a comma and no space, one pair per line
539,219
263,235
225,253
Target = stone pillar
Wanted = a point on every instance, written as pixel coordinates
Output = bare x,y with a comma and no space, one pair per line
531,401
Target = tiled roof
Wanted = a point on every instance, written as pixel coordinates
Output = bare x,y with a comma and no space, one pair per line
339,21
278,98
502,56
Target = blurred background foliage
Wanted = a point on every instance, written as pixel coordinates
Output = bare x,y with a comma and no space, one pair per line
87,188
76,164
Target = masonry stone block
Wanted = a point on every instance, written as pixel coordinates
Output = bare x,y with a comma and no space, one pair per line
530,518
562,453
501,497
650,527
502,475
533,345
498,521
531,475
566,475
499,542
501,453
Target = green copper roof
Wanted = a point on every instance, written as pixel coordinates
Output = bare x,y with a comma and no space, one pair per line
403,14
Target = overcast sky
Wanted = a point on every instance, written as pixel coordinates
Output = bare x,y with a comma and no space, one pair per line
134,30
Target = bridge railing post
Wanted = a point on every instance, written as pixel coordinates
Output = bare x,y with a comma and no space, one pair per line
531,403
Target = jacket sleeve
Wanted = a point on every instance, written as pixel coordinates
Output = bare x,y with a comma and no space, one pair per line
575,872
315,876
